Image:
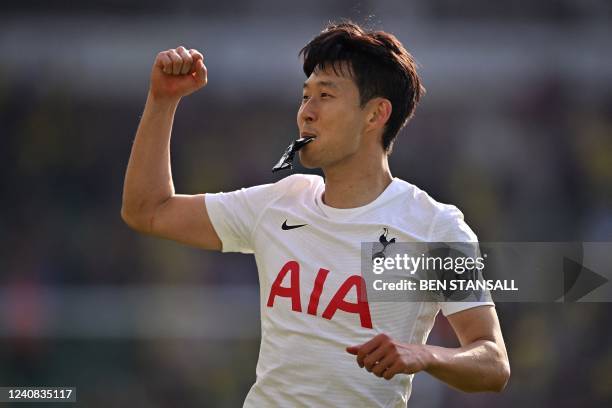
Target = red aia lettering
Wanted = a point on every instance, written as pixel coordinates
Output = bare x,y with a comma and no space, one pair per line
316,291
361,307
337,302
292,291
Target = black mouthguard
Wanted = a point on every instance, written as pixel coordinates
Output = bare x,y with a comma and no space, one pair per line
286,161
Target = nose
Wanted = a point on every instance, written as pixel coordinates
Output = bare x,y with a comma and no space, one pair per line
307,112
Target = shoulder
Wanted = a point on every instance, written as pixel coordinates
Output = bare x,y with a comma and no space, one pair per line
444,222
287,186
419,203
297,185
299,181
262,195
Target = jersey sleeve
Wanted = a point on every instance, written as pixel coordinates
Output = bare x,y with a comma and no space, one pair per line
449,226
234,215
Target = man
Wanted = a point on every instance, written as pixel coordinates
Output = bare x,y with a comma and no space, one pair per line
322,343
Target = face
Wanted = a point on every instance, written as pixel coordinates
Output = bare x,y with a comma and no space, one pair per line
330,110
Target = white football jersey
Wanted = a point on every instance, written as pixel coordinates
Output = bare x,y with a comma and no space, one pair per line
309,258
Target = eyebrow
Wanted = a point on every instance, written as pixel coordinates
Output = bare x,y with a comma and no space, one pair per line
328,84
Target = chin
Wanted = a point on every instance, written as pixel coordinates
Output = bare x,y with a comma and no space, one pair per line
307,160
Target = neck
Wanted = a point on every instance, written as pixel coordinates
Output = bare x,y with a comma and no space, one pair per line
356,182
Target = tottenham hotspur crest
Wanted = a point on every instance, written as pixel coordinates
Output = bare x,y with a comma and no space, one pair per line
385,243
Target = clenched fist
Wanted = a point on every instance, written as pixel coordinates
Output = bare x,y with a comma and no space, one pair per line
177,72
384,357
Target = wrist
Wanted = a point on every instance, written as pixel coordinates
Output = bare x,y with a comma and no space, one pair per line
162,102
430,357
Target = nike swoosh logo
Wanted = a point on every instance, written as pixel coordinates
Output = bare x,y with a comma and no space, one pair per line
286,227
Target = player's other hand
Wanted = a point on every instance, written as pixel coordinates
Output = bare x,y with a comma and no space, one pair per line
385,357
177,72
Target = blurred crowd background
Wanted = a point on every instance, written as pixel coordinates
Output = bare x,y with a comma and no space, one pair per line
515,129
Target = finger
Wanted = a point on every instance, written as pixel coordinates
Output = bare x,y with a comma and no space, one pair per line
396,368
187,60
177,62
201,73
198,67
353,349
375,357
369,346
380,368
196,55
164,62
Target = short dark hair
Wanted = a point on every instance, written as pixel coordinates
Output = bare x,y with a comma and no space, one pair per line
379,63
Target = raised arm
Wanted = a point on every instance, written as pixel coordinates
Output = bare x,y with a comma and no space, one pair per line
150,204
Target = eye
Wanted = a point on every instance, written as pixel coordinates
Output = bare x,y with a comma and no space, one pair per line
325,94
305,98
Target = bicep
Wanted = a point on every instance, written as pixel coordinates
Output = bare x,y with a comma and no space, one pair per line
185,219
477,323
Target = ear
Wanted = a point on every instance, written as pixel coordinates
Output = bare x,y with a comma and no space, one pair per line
379,112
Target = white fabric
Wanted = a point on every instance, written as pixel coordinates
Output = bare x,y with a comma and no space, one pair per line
302,359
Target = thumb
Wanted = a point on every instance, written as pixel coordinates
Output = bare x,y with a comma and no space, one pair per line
353,349
201,74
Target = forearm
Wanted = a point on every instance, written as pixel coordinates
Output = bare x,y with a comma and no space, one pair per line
148,179
479,366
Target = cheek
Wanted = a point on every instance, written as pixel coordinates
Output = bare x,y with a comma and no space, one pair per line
348,125
299,113
340,118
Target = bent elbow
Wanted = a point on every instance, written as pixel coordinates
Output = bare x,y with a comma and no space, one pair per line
132,220
503,377
127,218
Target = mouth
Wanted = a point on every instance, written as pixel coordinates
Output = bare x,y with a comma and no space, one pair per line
301,142
308,135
